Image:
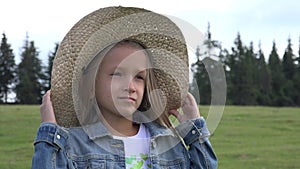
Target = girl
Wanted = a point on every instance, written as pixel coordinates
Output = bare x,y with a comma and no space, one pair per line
123,124
120,83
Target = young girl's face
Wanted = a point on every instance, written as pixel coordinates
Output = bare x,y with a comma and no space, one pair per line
120,81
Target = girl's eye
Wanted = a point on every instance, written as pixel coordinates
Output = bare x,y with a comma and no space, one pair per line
140,77
116,74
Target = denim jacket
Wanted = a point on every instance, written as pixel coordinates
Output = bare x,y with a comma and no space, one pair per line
72,148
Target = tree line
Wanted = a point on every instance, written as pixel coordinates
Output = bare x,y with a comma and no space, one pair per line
251,80
26,81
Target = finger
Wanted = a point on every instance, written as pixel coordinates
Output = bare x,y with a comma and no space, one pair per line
178,116
189,99
45,97
46,109
174,113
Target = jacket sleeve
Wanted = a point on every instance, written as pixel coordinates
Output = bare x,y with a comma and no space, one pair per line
49,148
195,135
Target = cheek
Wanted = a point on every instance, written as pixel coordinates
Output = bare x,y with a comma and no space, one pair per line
109,89
141,89
104,85
102,88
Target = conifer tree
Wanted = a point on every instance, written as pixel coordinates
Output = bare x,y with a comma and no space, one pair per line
205,70
239,90
30,76
201,85
288,63
289,70
7,69
278,97
49,67
263,79
250,87
296,80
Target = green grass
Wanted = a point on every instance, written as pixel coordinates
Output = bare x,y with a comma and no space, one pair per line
18,126
247,137
258,137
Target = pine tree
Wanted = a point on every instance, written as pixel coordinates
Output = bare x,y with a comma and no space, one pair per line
30,76
289,70
201,86
49,67
288,63
206,71
278,97
263,79
7,69
250,86
239,63
296,80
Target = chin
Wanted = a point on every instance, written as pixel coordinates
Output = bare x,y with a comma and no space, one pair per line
126,112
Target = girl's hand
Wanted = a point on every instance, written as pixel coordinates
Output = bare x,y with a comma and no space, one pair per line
46,109
189,108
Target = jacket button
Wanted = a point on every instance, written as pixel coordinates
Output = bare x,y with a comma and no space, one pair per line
58,136
193,132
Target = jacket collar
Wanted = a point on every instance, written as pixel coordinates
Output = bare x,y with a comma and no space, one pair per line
98,130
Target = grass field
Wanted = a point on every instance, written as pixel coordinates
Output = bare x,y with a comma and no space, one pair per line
247,137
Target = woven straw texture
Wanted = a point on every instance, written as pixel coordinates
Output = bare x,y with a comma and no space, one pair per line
108,25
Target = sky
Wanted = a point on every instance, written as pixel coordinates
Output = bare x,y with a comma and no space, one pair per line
264,21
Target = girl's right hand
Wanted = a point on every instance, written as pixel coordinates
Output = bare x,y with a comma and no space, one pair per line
46,109
189,108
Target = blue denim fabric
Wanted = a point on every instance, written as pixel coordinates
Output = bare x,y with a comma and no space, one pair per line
72,148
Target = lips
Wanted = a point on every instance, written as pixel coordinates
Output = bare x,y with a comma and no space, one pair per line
127,98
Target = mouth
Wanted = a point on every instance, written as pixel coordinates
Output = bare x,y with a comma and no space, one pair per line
127,98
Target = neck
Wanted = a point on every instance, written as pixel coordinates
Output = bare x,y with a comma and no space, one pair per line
119,125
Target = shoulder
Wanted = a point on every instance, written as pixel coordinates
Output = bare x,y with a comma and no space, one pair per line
51,134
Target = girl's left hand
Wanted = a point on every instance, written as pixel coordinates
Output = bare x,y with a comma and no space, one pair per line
46,109
189,108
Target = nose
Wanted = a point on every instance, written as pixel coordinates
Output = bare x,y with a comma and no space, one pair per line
130,85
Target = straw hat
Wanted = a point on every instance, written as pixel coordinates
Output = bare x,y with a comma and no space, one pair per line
108,25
